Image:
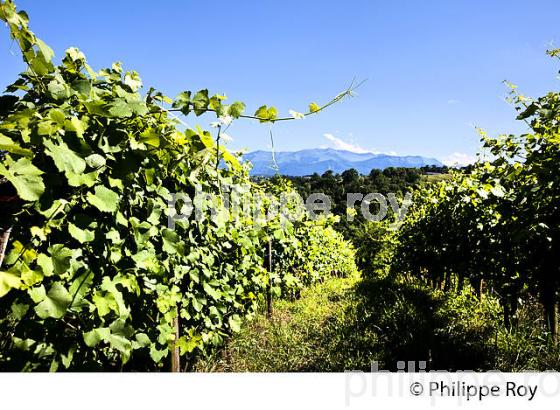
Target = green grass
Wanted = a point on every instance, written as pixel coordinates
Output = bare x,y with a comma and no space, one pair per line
435,177
303,335
346,323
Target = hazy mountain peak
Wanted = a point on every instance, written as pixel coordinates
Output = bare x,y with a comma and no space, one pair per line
320,160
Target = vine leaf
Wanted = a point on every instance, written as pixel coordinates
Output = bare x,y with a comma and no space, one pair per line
55,303
61,257
8,281
104,199
93,337
314,107
24,176
6,144
65,160
266,114
81,235
235,323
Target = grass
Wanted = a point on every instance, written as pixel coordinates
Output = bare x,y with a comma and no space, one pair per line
296,338
347,323
427,178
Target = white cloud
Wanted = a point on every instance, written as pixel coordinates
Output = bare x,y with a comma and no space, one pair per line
343,145
453,101
458,159
340,144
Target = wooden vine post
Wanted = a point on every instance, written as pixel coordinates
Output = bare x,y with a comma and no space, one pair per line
175,357
269,285
4,237
9,204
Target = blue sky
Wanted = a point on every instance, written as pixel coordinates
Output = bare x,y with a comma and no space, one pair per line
434,68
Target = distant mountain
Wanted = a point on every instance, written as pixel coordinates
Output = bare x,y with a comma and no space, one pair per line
309,161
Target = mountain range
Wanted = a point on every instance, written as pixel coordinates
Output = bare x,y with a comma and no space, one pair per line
319,160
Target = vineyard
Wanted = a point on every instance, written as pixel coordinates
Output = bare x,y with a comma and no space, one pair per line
94,278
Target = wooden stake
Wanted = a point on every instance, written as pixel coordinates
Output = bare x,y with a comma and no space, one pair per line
269,285
175,357
4,237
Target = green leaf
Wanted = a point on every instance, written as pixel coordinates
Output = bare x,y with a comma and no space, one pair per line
55,303
65,159
314,107
262,113
76,125
266,114
81,235
30,276
236,109
231,160
272,113
235,323
119,108
104,304
46,264
40,233
93,337
79,288
172,242
67,358
61,257
121,328
142,340
24,176
22,344
58,89
8,281
6,144
97,107
120,343
19,310
87,179
38,64
82,87
110,286
157,354
45,50
188,344
200,102
145,259
104,199
37,294
57,116
150,137
132,79
138,107
211,291
182,102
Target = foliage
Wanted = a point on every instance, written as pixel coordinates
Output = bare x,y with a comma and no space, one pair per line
94,278
498,223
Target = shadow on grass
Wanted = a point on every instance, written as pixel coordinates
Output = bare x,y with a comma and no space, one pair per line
346,324
398,321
